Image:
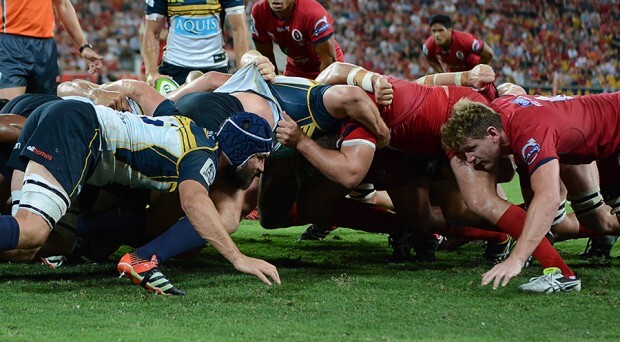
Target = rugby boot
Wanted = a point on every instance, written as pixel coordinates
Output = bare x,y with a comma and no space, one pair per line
146,274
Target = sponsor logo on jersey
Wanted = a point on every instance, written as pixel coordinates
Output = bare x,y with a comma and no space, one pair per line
297,36
39,152
525,102
17,146
460,55
475,46
197,27
208,172
283,29
530,151
150,3
321,26
253,26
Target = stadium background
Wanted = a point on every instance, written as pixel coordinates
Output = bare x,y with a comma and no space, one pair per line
566,46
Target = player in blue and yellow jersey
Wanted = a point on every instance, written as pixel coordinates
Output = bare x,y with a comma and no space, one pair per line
67,143
195,40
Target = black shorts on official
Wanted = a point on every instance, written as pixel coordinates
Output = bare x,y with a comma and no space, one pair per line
179,73
28,62
209,110
64,137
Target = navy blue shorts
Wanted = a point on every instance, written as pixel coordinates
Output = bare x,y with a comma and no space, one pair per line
209,110
64,137
25,104
179,73
28,62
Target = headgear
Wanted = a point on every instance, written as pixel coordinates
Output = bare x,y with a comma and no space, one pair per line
243,135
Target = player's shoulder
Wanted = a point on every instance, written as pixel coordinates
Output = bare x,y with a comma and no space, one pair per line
429,45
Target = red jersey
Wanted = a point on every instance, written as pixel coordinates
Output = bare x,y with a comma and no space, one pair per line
416,116
575,130
31,18
297,35
462,54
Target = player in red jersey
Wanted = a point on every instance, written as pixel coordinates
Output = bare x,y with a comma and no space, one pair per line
340,165
449,50
304,31
541,132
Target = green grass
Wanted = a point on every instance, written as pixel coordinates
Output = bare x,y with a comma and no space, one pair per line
337,289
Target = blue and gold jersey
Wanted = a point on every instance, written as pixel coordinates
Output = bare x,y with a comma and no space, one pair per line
154,153
195,30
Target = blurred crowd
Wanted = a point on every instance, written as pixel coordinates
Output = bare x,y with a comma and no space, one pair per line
570,43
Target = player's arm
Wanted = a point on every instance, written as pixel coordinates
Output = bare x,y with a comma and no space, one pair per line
84,88
486,55
154,24
347,167
478,77
205,83
545,183
66,14
327,52
143,94
236,19
10,127
345,73
204,217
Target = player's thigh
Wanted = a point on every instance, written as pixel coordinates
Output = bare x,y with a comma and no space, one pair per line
318,196
277,192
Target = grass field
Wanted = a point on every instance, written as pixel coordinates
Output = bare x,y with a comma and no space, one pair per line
337,289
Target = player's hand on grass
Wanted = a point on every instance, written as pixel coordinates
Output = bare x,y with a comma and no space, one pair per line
260,268
384,92
480,76
502,272
288,132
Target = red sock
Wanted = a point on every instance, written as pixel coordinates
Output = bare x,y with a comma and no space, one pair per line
363,216
585,232
512,222
471,233
293,218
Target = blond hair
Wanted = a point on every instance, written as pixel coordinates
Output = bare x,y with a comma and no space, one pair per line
469,120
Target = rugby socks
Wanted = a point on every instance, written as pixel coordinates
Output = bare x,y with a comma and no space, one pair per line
179,238
363,216
9,233
512,222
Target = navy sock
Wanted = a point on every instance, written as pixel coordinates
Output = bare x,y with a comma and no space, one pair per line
177,239
121,225
9,233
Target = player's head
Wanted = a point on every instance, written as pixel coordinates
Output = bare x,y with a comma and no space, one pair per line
245,139
281,6
474,130
441,29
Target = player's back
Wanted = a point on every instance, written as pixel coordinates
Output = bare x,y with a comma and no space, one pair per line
142,151
584,127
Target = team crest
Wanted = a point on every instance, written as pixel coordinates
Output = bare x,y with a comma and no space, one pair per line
208,172
530,151
297,36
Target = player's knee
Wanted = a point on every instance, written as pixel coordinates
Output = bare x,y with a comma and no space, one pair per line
33,230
